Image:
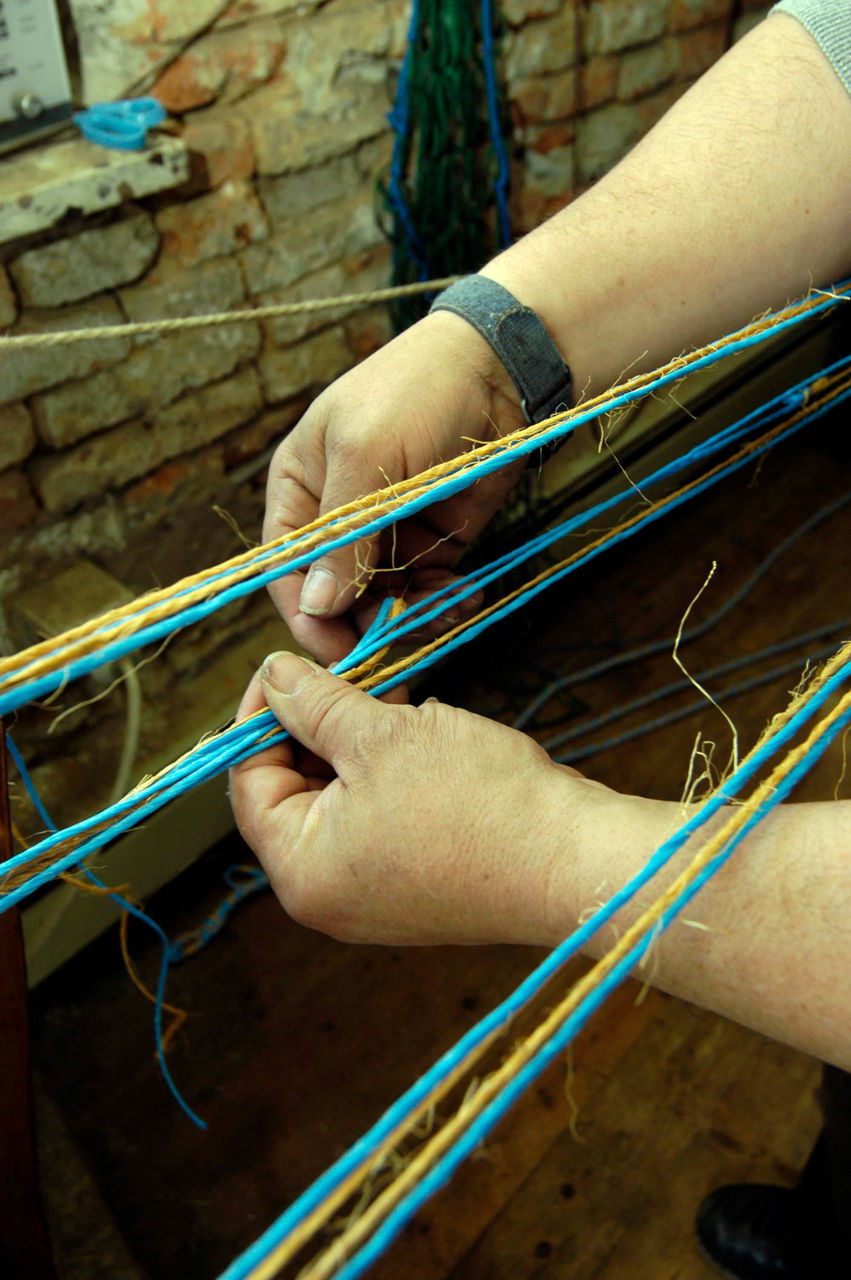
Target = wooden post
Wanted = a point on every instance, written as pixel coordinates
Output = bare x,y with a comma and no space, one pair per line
24,1251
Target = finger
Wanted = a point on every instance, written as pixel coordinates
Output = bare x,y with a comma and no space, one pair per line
453,608
325,714
328,640
336,580
282,754
265,782
293,493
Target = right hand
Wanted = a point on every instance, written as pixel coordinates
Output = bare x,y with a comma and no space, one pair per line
427,396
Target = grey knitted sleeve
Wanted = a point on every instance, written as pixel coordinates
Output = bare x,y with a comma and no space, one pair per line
829,23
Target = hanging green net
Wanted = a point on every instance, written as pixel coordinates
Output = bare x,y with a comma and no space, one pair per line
445,193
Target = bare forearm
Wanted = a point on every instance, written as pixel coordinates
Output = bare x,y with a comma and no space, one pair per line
739,199
771,946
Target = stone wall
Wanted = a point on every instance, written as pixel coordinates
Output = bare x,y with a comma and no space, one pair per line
119,451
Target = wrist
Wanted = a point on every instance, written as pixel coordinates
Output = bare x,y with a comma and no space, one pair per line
476,366
603,839
520,271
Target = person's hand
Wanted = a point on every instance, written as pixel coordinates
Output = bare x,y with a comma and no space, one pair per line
400,824
420,400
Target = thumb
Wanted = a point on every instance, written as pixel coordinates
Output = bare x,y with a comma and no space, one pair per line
322,712
336,580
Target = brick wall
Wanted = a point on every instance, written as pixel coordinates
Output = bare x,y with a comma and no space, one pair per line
120,451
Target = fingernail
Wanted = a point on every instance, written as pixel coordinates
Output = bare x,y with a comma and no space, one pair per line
319,591
287,672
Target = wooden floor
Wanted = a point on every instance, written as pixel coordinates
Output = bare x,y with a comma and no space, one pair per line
295,1043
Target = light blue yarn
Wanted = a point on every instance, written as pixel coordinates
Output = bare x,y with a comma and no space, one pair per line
208,760
29,785
446,487
533,591
466,586
159,994
252,880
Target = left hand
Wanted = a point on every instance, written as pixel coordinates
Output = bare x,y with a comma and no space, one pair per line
402,824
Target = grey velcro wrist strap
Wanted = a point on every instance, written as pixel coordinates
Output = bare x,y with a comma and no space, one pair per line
518,337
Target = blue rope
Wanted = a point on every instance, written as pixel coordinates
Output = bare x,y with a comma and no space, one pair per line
704,678
34,796
484,1124
240,742
586,674
29,785
464,476
503,172
159,1000
243,882
398,119
462,588
501,1016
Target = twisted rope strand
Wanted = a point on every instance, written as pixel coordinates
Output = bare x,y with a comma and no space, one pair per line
457,1072
764,797
247,315
353,520
43,861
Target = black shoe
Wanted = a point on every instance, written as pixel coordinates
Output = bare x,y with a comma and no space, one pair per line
754,1232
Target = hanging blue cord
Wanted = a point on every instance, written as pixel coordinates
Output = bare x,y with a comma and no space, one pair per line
447,487
159,1000
29,785
503,173
398,120
243,882
32,792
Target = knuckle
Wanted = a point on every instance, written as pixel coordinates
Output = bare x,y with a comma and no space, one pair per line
323,705
384,738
